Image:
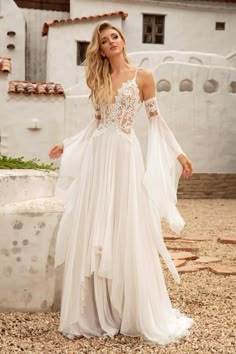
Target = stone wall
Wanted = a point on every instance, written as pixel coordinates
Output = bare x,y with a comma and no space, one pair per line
208,185
12,38
29,219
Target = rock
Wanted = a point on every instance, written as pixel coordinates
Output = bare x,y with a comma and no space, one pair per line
179,262
187,249
183,255
228,240
196,238
181,240
191,268
206,259
168,237
223,270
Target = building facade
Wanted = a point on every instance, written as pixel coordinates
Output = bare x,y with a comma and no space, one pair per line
204,26
196,89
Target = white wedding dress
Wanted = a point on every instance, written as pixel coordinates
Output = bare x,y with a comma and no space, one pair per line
110,237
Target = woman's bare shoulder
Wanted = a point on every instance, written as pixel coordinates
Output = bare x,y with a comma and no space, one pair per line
145,75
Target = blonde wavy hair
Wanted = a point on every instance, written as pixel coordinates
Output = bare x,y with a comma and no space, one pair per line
98,68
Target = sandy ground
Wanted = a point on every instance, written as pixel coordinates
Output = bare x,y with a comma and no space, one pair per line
206,297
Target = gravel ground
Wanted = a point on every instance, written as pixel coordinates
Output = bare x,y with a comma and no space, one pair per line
207,297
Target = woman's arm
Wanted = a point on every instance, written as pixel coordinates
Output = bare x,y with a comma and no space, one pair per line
57,150
151,106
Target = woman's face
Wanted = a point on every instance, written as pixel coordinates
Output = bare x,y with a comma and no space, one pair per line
111,43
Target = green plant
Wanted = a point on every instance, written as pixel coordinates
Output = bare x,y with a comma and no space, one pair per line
7,162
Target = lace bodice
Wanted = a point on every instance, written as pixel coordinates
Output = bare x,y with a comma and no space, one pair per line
120,114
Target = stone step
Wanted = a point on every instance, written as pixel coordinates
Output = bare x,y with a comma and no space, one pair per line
179,248
179,262
207,259
192,268
180,241
196,238
227,240
20,185
223,270
37,206
183,255
171,237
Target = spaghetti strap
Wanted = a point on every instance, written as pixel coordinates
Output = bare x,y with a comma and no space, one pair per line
135,75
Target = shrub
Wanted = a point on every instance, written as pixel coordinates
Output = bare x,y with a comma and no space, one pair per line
7,162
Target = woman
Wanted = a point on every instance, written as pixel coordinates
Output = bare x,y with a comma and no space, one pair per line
110,233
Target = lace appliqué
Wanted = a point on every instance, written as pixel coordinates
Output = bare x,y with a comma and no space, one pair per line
120,114
151,107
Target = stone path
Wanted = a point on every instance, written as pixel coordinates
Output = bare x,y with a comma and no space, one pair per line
206,293
187,253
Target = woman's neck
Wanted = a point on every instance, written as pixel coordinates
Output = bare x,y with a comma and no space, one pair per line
118,65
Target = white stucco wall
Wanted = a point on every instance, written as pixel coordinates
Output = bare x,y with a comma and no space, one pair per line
62,50
11,19
231,57
26,184
151,59
36,45
29,225
78,112
18,116
189,25
208,118
203,123
29,219
4,77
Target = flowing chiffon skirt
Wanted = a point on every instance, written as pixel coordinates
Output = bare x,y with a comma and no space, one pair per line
111,239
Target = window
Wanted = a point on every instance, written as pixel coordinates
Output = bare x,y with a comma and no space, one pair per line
81,51
153,29
220,26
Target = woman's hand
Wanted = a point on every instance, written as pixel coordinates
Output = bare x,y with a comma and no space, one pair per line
56,151
187,169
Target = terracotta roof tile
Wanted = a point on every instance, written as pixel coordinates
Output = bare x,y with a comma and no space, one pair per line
5,64
78,19
35,88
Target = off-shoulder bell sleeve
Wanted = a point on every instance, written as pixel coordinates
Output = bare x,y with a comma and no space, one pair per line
73,152
162,167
